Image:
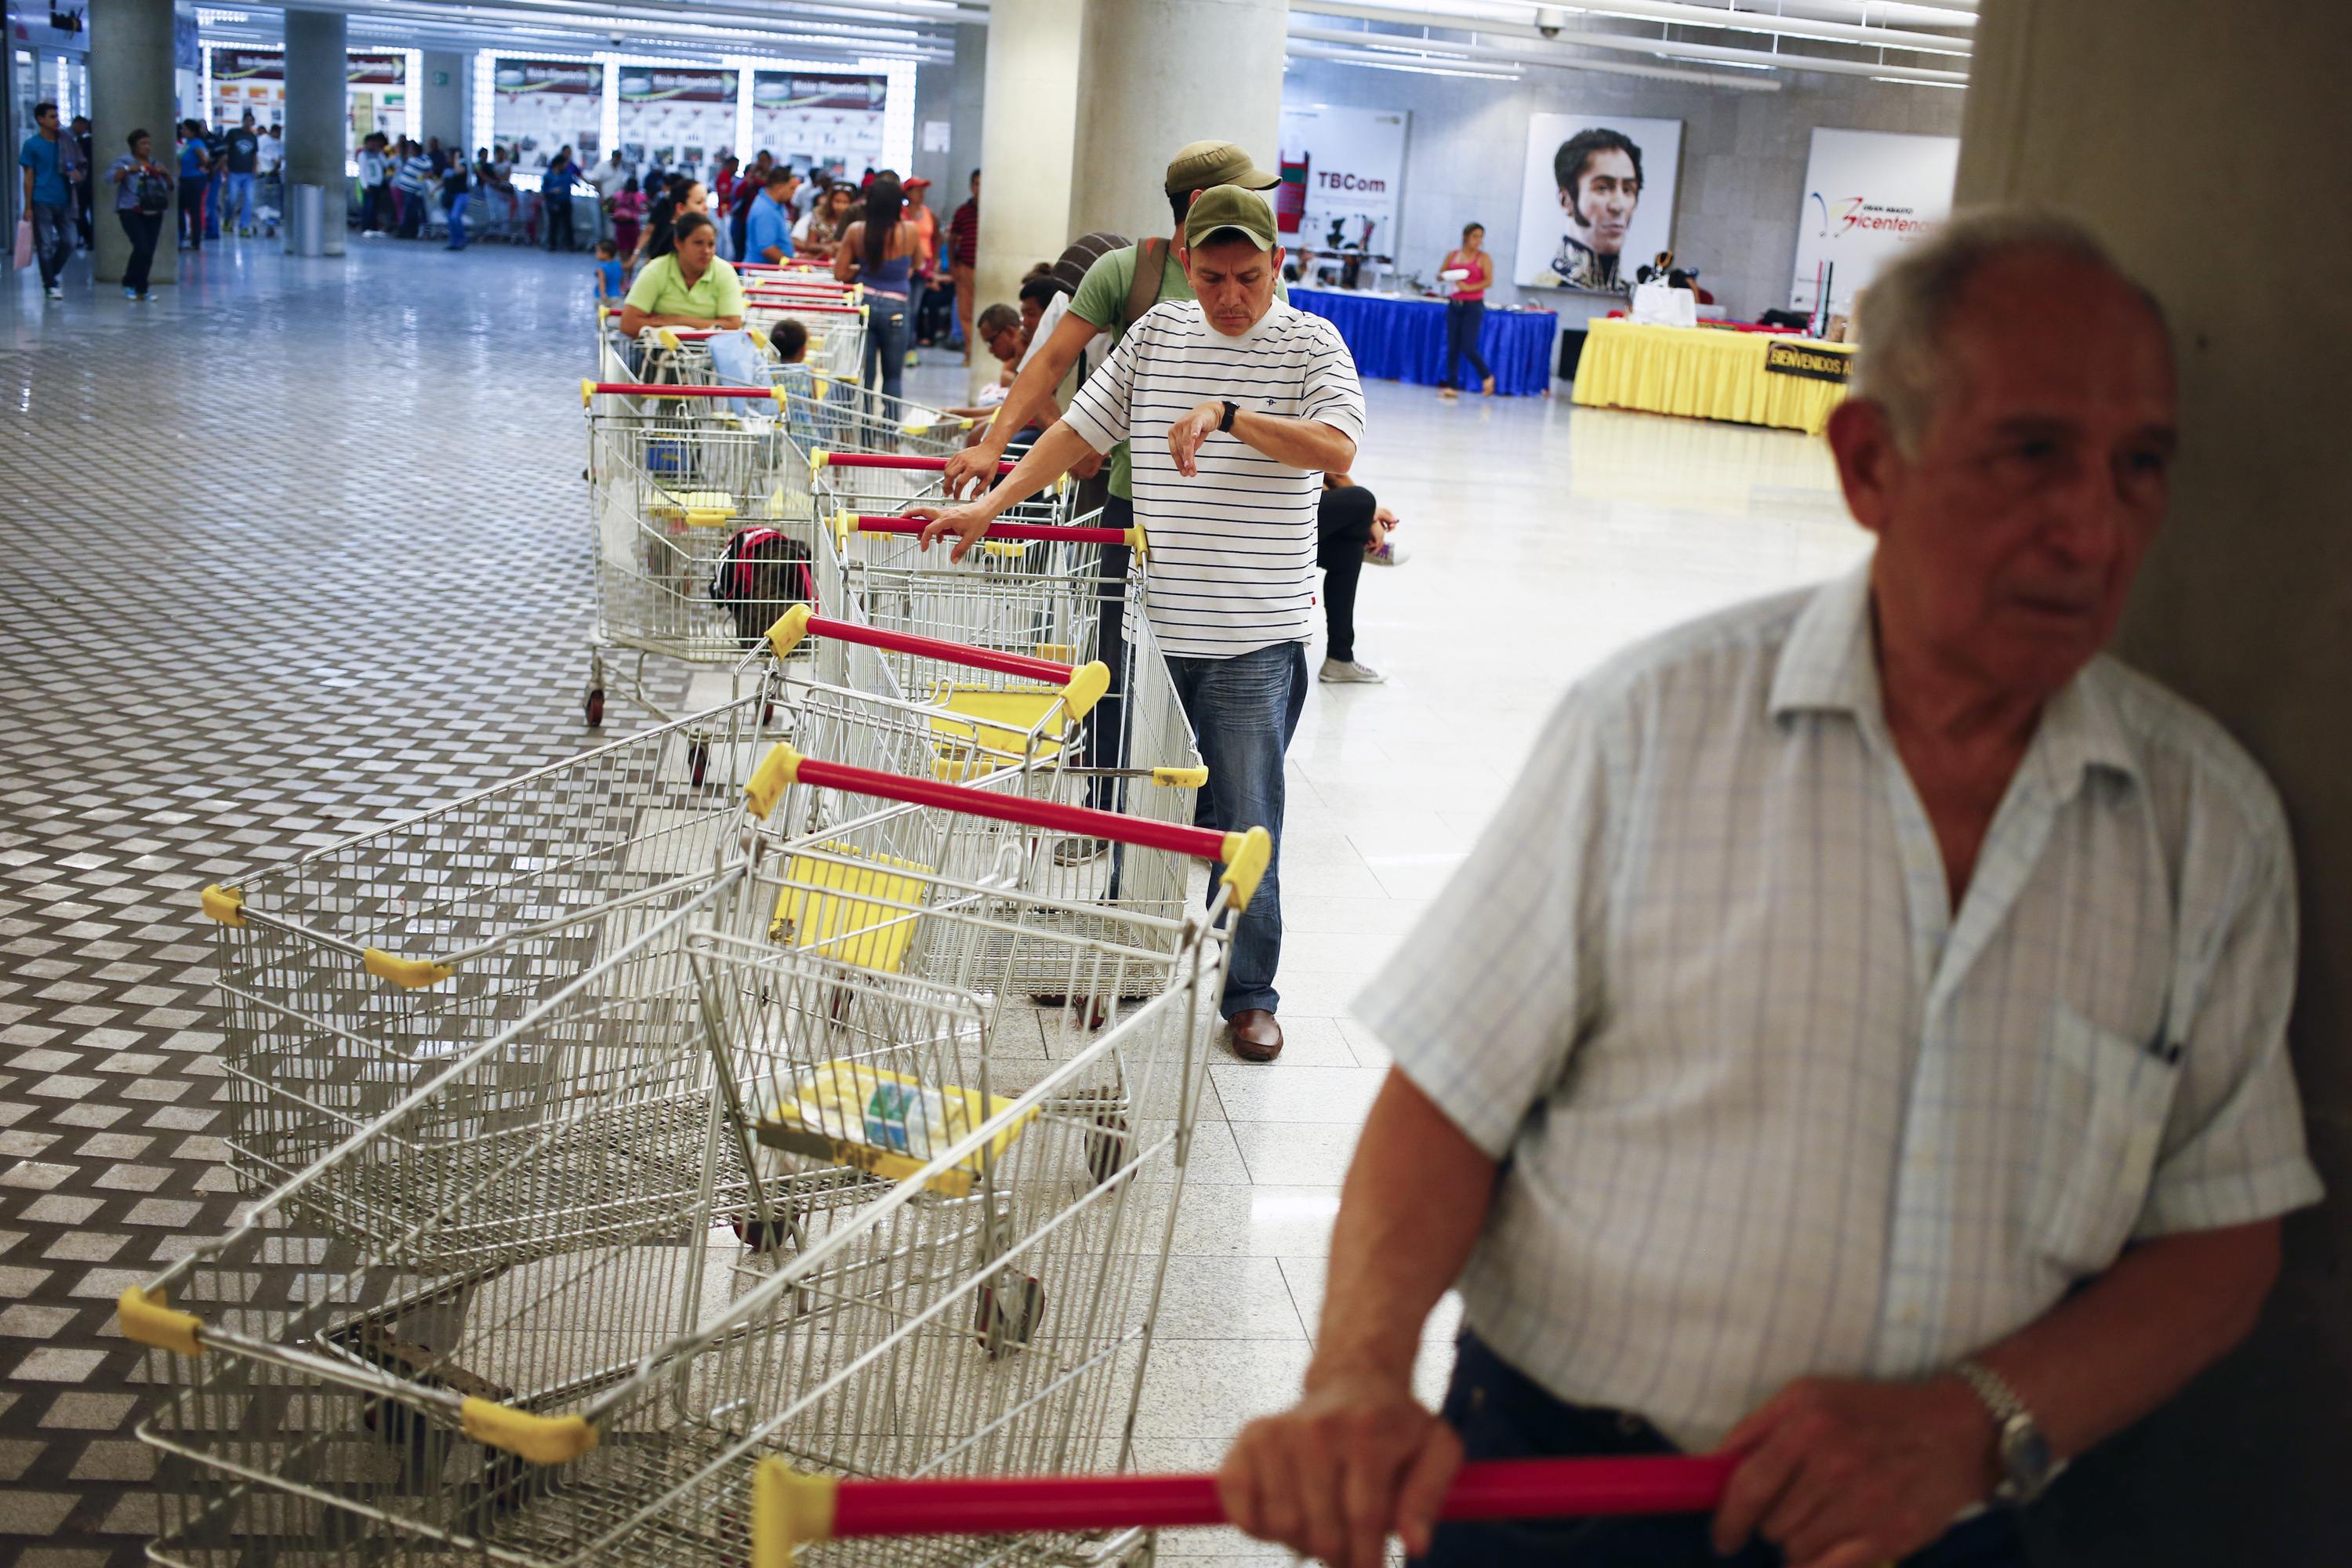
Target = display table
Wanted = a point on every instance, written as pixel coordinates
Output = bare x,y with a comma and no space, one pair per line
1396,338
1706,373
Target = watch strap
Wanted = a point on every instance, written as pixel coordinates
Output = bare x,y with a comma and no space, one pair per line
1226,424
1992,1389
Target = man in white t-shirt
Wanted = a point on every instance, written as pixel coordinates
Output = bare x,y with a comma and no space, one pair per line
1232,403
608,178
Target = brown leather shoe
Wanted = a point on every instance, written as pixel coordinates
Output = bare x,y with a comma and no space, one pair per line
1256,1036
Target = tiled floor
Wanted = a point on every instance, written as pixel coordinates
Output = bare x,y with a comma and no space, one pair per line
301,546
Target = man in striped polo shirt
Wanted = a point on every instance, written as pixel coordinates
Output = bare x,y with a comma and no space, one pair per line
1232,403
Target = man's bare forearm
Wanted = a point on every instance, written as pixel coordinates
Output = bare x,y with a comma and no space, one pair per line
1301,443
2126,1343
1414,1203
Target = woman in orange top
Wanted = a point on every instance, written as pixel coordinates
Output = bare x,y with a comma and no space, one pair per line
1466,273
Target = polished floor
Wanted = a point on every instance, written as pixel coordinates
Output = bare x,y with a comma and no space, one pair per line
300,547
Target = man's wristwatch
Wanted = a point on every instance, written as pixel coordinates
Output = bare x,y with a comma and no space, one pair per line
2027,1464
1226,426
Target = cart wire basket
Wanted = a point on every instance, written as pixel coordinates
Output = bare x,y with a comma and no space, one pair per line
929,1237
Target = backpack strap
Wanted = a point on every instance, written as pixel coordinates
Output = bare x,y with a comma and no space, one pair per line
1150,270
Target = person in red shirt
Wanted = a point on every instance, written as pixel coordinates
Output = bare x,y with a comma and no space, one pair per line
963,254
722,184
1466,274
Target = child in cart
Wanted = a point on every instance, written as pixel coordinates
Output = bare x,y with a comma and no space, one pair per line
610,289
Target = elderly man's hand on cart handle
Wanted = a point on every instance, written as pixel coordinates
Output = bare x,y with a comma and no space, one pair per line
976,464
1354,1461
1845,1474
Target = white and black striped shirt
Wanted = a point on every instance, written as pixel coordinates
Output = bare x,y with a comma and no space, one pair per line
1232,548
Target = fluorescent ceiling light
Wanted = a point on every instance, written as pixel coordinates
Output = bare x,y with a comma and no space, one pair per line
1376,62
1914,82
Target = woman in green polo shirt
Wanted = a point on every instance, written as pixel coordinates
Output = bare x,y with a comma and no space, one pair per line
691,286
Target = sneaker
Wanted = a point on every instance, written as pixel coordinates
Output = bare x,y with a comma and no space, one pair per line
129,293
1078,851
56,293
1388,552
912,359
1348,672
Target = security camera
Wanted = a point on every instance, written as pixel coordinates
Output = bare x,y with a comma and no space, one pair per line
1548,21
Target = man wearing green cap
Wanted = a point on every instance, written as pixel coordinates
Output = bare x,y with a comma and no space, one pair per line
1114,293
1233,403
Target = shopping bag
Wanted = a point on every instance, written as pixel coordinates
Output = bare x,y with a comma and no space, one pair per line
1664,305
24,242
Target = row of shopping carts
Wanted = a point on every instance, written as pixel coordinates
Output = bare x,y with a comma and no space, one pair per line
800,1087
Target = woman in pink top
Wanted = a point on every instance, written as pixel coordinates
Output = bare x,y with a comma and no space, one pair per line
1466,273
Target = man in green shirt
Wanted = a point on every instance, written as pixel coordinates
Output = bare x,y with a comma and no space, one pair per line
1108,300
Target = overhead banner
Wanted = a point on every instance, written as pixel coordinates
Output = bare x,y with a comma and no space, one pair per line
1868,193
830,123
391,69
516,77
1596,200
796,89
1342,178
248,65
646,84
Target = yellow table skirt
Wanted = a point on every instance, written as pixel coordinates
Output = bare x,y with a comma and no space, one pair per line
1707,373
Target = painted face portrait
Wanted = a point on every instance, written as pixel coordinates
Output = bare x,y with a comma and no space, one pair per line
1599,208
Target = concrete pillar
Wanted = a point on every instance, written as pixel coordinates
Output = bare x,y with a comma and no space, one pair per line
130,88
1031,114
444,98
934,104
316,119
1157,75
2224,204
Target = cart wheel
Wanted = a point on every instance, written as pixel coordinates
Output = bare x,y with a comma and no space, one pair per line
1005,1320
698,759
767,715
1106,1145
596,707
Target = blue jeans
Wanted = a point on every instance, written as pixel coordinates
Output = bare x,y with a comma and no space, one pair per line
457,219
237,208
886,339
1464,320
1243,712
1501,1414
53,239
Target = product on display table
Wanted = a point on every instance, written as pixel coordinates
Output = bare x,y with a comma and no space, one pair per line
1396,338
1708,373
931,1235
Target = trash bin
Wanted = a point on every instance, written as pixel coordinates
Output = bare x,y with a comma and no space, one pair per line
306,212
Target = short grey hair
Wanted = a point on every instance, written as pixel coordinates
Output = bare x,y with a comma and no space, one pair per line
1900,317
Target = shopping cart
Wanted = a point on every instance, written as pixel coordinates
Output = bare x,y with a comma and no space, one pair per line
1042,589
700,506
961,1277
836,333
791,1511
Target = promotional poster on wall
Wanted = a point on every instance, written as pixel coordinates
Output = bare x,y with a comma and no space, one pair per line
682,119
540,105
830,123
1342,178
1597,202
1868,193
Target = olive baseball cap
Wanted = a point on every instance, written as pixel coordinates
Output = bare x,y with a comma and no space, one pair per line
1202,164
1229,208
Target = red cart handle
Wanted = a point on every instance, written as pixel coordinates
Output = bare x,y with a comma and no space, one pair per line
1246,856
1062,531
823,459
1082,685
791,1509
588,389
755,297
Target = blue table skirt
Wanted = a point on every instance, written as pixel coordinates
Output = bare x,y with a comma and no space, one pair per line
1404,340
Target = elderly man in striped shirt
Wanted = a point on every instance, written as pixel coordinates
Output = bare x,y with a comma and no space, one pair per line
1858,1045
1232,402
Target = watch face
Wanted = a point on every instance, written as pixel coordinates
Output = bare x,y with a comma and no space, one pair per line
2025,1456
